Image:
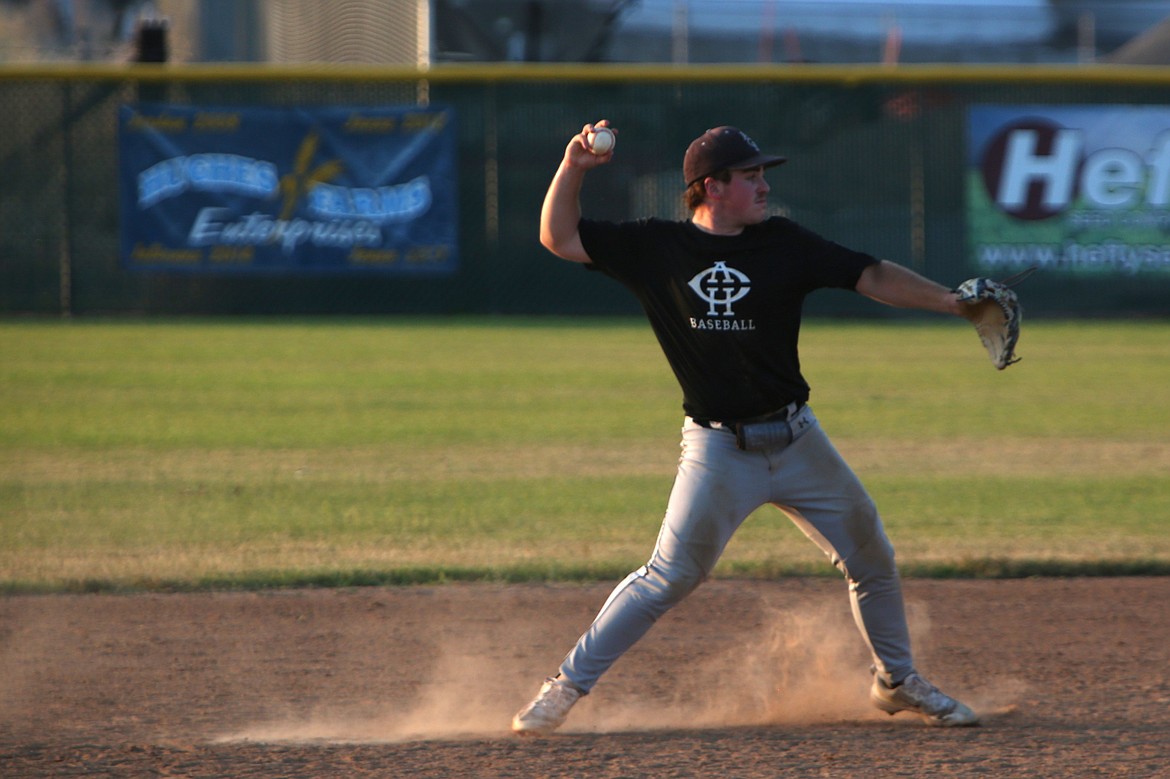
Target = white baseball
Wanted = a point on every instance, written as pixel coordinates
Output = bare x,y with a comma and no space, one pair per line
601,140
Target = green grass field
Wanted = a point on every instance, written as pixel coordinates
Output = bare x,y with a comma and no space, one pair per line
249,453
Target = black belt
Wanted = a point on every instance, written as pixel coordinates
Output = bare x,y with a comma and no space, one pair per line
783,415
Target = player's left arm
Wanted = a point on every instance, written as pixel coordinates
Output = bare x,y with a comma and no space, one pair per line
898,286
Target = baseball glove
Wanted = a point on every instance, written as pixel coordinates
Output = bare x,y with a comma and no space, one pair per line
995,311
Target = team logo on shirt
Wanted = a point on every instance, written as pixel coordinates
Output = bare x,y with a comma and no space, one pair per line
719,287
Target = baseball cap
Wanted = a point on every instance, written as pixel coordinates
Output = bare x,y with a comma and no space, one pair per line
724,148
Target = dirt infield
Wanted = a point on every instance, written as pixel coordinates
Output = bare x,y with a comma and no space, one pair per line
744,679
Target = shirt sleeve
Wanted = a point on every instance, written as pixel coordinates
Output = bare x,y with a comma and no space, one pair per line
613,248
831,264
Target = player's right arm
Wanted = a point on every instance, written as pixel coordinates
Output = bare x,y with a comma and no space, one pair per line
561,213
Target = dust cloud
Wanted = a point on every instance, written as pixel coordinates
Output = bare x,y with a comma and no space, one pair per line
796,667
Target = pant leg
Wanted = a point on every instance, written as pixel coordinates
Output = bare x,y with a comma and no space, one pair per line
826,500
716,488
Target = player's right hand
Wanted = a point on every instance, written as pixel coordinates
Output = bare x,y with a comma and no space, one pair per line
578,154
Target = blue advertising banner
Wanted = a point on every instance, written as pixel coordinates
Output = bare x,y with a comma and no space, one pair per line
1075,189
288,190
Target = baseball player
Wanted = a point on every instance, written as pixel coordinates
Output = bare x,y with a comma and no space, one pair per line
723,293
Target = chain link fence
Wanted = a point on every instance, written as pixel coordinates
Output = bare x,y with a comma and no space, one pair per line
878,161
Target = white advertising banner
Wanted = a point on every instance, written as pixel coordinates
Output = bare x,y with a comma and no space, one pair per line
1071,189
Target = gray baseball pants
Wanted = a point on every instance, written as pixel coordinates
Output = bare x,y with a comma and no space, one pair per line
717,487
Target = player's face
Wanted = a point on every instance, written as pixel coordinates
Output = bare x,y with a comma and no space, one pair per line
747,196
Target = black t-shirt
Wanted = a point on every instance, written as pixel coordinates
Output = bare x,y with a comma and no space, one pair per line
726,309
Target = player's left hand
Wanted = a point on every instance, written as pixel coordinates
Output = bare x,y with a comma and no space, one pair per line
994,308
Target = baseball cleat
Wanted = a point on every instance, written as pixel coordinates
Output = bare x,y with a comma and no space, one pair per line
548,709
920,697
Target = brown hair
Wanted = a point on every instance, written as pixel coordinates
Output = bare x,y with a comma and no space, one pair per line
696,193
